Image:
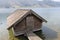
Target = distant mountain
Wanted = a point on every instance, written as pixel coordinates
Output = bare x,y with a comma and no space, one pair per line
28,3
52,3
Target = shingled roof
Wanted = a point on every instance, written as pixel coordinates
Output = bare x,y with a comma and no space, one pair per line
19,14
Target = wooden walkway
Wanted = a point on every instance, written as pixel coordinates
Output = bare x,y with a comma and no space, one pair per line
32,36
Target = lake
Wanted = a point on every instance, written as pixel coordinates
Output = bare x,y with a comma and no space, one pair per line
51,29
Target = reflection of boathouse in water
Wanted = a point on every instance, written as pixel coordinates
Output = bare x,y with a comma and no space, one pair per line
24,21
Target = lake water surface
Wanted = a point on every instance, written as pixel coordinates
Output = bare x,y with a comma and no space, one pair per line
51,29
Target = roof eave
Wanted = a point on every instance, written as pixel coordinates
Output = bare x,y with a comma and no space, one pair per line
38,16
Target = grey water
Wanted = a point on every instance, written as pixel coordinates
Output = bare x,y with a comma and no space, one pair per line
51,29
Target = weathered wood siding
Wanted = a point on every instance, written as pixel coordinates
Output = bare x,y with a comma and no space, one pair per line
37,23
20,27
28,24
33,23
